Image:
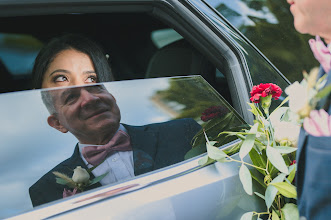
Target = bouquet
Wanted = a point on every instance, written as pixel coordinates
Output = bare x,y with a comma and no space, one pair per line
271,145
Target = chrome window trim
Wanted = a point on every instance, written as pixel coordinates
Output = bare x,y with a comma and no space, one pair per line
111,191
237,61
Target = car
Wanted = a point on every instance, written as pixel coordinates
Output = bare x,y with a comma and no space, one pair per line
168,57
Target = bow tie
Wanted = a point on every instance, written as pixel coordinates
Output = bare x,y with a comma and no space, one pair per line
321,53
97,154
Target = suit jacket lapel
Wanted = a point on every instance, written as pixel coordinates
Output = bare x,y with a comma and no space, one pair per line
144,145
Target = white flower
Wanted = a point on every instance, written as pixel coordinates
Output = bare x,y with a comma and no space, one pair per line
286,132
80,175
283,114
298,95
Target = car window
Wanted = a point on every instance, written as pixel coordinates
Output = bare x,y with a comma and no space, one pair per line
18,48
269,25
164,37
17,55
163,116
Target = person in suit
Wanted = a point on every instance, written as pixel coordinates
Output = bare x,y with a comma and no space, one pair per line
314,152
91,114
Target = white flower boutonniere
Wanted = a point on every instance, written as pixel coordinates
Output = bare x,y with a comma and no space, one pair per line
79,181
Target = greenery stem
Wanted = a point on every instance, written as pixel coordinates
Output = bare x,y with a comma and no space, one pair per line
266,167
246,163
279,208
261,213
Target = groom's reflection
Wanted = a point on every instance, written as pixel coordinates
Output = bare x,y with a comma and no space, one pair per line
91,114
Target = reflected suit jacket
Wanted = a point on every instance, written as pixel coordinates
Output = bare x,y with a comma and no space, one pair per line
154,146
314,170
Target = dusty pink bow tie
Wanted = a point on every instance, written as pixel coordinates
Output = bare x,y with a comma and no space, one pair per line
97,154
321,53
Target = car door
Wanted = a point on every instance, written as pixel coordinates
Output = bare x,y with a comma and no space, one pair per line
182,190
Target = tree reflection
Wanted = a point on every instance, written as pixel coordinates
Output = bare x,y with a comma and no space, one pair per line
287,49
195,98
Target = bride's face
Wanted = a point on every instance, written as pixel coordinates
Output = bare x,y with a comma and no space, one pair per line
69,68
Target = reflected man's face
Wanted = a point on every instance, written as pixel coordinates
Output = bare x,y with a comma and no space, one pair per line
90,113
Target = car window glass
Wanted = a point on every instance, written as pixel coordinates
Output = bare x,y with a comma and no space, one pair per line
269,25
173,108
164,37
18,48
17,55
259,69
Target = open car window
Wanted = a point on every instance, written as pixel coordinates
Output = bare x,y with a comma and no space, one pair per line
164,118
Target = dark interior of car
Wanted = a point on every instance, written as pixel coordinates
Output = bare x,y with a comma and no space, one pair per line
125,37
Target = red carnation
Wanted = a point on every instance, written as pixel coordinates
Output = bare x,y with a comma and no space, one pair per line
213,112
264,90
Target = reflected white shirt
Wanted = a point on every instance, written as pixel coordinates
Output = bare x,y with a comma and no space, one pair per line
118,165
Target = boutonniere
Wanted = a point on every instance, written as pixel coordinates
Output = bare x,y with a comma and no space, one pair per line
79,181
303,99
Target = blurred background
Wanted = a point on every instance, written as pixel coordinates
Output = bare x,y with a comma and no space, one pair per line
269,25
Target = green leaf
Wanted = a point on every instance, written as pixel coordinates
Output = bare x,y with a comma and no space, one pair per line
205,160
256,111
232,150
246,179
212,143
285,149
290,211
61,181
286,189
223,160
258,160
274,215
281,104
276,159
235,133
324,92
215,153
259,195
292,170
247,216
97,179
259,181
271,191
213,127
248,142
197,150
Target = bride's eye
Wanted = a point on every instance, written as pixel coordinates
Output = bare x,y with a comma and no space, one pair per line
91,79
60,78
